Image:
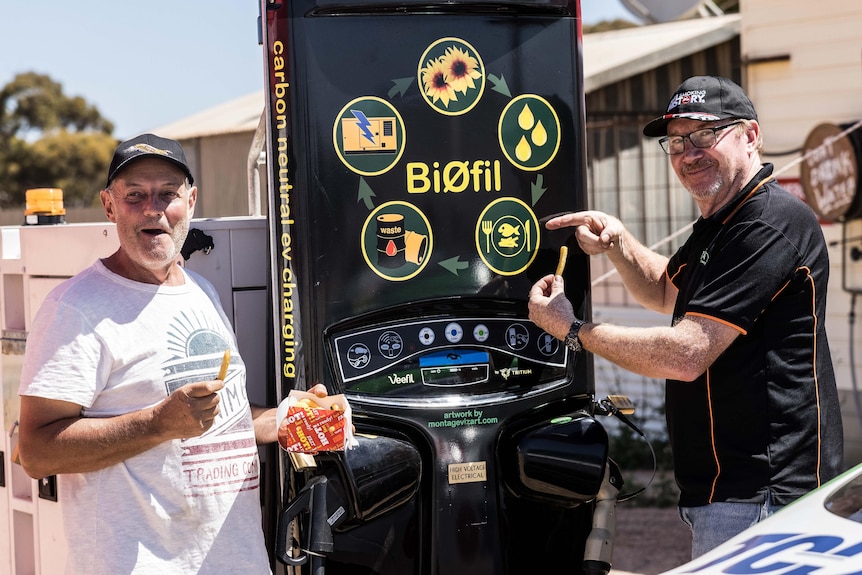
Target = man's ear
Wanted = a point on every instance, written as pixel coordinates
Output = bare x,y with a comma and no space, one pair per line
753,132
193,200
108,205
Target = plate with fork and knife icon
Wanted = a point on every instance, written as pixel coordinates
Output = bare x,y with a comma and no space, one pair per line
507,237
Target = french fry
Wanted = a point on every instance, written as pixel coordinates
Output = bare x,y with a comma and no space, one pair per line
561,265
225,362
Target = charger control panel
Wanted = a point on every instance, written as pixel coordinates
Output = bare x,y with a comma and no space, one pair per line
441,356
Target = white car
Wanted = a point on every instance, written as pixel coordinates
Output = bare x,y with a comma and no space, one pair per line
818,534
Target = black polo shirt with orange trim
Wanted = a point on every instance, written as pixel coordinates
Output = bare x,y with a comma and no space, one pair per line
765,417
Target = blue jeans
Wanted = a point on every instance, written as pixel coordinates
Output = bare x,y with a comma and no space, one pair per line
713,524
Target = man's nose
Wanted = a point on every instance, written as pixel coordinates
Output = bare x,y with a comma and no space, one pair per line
688,146
154,204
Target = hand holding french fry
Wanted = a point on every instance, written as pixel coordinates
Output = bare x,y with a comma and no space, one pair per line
189,411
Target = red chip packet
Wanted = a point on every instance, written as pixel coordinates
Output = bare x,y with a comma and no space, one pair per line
309,424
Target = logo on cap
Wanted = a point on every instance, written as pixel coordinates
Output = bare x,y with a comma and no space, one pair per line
147,149
691,97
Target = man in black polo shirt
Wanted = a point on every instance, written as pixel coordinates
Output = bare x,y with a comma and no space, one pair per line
752,406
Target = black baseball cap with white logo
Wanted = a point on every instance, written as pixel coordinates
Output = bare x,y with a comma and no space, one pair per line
704,98
148,145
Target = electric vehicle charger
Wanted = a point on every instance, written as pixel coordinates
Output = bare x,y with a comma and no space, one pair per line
407,226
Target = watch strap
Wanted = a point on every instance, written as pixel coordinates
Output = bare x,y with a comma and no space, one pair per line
572,341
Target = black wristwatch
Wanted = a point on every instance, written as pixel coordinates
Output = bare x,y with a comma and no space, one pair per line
572,342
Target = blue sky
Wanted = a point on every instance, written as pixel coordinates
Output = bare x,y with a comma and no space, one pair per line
146,64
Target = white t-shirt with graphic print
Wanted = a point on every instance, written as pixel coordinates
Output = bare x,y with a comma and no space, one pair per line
114,346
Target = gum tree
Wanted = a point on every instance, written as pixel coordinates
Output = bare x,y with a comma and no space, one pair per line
51,140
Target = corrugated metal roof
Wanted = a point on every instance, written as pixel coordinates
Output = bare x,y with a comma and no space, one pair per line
608,57
240,115
618,54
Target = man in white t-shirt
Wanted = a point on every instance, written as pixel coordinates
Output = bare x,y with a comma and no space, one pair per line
156,458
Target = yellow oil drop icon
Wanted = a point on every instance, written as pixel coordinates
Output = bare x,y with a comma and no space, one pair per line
525,118
539,135
523,150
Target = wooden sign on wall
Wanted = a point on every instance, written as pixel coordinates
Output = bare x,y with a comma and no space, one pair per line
830,172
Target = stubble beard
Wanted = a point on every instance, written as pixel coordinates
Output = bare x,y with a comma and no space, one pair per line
157,255
704,191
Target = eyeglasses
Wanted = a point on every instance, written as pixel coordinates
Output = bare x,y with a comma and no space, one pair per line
703,138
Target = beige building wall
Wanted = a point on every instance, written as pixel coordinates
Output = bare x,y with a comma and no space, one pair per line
220,166
802,66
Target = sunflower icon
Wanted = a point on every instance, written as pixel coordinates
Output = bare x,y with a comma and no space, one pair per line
451,76
436,84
